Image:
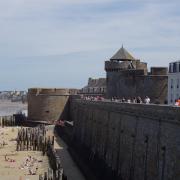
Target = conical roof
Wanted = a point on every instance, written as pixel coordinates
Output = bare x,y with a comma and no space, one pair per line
122,55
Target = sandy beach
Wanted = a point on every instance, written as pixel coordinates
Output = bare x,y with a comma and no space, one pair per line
13,164
15,168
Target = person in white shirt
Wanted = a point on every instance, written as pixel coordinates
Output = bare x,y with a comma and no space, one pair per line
147,100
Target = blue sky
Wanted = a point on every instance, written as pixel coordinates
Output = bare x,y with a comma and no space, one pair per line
60,43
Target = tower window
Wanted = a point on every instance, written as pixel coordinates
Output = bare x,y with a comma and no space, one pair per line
170,67
177,83
174,67
172,83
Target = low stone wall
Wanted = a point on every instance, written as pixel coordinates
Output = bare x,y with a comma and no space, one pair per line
128,141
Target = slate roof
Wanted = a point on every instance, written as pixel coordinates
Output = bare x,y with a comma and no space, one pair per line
122,55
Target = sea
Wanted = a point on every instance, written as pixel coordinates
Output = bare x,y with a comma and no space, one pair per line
9,108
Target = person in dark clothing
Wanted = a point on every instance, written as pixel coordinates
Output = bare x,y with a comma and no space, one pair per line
139,100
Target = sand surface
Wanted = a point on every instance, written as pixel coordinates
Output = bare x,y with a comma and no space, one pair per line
14,170
17,170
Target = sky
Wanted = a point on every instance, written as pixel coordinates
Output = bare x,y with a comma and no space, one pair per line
61,43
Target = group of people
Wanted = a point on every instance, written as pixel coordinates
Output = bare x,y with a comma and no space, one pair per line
92,98
9,159
31,164
138,99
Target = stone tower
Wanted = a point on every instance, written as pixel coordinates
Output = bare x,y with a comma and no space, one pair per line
46,104
128,77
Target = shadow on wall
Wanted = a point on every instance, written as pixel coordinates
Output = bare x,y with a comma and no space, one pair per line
64,115
65,112
127,141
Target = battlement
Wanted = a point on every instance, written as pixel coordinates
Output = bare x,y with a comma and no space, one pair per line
159,70
111,66
52,91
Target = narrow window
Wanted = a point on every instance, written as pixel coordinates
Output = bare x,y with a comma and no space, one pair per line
170,68
177,83
177,64
174,67
171,83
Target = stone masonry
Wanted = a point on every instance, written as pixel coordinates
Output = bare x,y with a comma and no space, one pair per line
48,104
136,141
129,77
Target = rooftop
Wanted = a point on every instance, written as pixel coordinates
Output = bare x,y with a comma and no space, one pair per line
122,55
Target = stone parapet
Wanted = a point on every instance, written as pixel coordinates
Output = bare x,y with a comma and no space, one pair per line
152,111
159,70
49,91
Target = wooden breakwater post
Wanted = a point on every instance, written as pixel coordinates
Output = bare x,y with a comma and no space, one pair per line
32,139
6,121
36,139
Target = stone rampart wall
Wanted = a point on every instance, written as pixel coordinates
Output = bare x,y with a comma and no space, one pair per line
135,141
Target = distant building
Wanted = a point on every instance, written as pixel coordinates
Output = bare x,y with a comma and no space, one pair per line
14,96
128,77
94,87
173,82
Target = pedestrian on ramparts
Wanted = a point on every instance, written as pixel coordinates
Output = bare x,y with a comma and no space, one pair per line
123,99
177,102
128,100
116,99
134,100
113,98
139,100
147,100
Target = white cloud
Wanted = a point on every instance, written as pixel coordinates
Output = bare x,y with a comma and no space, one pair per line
150,29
